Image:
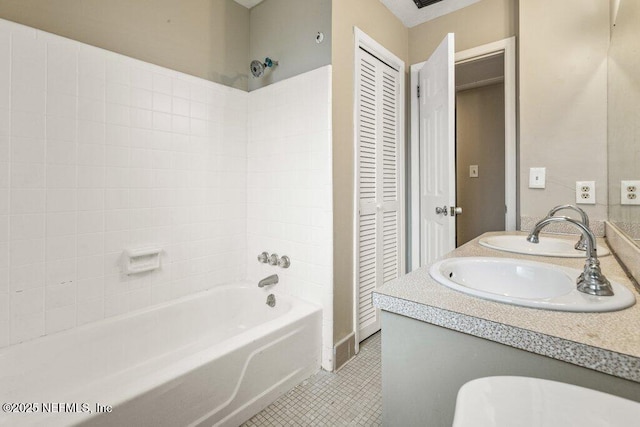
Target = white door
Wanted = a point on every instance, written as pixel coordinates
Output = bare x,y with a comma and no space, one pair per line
378,135
437,153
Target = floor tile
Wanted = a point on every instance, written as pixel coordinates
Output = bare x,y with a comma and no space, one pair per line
350,397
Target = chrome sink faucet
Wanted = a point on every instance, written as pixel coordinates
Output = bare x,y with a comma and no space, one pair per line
582,243
271,280
591,281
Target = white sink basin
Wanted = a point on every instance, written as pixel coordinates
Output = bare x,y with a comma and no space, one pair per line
548,246
525,283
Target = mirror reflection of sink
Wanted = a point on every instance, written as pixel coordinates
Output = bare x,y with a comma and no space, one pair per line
548,246
525,283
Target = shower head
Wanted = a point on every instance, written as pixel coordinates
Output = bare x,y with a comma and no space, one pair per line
257,67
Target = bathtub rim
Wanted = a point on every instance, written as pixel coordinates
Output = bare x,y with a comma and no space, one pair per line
297,309
121,386
154,307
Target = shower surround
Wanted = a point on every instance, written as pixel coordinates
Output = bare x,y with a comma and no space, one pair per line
100,152
289,190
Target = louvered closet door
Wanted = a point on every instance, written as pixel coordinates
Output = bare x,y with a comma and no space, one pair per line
378,257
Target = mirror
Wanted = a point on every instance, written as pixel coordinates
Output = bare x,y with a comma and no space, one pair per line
624,117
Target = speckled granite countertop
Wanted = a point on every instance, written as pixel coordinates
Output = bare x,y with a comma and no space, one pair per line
605,342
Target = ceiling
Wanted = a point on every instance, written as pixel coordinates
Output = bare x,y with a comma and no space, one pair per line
248,3
405,10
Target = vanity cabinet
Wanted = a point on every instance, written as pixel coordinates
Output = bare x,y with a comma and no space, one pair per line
435,339
424,366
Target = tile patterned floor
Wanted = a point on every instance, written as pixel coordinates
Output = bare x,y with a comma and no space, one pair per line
350,397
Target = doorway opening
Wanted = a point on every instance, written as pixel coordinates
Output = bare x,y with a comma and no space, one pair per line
480,147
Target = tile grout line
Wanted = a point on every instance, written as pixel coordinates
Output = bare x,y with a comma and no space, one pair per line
332,398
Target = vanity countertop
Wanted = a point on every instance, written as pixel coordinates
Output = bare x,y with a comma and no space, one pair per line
606,342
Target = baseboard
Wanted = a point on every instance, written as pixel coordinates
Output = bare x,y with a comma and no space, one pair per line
344,351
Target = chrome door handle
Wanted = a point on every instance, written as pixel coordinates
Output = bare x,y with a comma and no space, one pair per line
442,210
456,211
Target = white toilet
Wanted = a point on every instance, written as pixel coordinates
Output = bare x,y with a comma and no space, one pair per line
533,402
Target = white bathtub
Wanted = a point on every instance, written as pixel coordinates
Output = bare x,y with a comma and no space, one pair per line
215,358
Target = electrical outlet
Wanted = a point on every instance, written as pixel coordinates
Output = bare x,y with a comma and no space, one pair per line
630,192
586,192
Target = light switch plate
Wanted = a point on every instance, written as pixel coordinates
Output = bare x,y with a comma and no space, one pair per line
537,177
473,171
630,192
586,192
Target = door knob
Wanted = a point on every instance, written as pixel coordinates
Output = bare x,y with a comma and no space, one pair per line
442,210
456,211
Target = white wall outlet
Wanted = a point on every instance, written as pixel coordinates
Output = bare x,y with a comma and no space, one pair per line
586,192
537,177
473,171
630,192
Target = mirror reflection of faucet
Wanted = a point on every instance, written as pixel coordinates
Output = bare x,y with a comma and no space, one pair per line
582,242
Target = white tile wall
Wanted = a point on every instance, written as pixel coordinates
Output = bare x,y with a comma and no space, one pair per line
99,152
289,189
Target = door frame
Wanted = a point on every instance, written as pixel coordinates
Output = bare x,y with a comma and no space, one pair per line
508,48
361,39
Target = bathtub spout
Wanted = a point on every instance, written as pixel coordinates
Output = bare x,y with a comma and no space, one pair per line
271,280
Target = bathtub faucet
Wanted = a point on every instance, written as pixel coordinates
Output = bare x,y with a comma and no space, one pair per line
591,281
271,280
